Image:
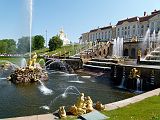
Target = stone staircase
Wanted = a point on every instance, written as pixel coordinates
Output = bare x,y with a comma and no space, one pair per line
99,50
100,63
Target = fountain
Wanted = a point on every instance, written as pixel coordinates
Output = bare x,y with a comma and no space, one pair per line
25,99
65,93
139,83
153,57
123,79
146,40
31,73
44,89
117,47
135,77
30,24
23,63
58,65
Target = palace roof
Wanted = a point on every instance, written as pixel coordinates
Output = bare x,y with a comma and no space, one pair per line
103,28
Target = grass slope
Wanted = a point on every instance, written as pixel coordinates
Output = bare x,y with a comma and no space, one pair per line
64,49
148,109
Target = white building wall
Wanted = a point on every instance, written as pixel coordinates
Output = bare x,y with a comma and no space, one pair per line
126,30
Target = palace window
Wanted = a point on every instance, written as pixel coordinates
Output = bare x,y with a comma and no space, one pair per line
99,35
128,27
142,26
142,31
90,36
93,37
122,33
152,27
105,35
134,26
133,31
102,35
125,33
128,32
109,32
118,34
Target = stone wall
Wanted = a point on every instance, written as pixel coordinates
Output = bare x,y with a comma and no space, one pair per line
149,76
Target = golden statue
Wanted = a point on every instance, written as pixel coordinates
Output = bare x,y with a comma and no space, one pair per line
32,61
73,110
139,53
99,106
134,39
62,112
82,105
134,73
80,101
89,104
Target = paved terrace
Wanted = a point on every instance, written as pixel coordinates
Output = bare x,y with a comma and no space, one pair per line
110,106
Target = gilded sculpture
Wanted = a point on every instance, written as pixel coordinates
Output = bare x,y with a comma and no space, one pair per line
82,106
139,53
62,112
99,106
32,61
89,104
134,73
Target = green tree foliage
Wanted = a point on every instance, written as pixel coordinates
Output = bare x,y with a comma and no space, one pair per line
38,42
23,45
54,43
7,46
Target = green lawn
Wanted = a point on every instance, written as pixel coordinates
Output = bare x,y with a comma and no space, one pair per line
64,49
15,60
148,109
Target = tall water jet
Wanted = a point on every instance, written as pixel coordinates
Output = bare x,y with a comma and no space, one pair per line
154,40
146,37
23,63
123,79
158,37
139,83
30,2
118,47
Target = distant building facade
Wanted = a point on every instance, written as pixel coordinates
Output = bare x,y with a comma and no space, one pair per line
63,37
130,29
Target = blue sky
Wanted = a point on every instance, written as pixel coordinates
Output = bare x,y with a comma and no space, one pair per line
75,16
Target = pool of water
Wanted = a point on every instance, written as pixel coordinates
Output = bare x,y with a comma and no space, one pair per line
31,99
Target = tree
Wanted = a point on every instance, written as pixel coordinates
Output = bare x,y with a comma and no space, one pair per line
8,46
38,42
3,46
54,43
23,45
